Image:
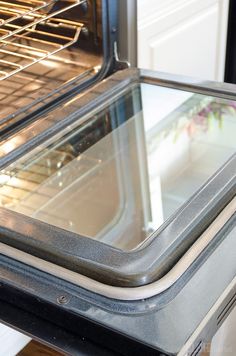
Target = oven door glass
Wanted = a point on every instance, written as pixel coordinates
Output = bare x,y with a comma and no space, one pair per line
123,172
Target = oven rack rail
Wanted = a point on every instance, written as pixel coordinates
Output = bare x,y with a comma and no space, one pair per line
39,37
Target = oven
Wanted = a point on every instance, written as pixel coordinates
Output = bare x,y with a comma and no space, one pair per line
117,188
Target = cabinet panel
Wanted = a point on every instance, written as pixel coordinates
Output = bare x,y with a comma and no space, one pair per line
187,38
188,49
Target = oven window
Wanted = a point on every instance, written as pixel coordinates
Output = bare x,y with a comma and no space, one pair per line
119,173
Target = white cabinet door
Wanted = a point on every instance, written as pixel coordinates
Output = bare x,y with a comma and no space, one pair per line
186,37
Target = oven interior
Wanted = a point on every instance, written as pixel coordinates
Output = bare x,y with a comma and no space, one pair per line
47,47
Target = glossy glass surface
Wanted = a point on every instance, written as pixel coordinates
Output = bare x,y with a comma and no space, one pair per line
118,174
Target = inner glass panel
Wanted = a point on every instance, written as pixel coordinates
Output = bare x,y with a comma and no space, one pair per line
119,173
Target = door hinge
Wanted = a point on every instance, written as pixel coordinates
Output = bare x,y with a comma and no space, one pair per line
119,64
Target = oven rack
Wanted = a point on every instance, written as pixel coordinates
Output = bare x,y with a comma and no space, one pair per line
14,10
22,93
40,36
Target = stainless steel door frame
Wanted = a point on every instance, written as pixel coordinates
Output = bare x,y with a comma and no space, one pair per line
127,31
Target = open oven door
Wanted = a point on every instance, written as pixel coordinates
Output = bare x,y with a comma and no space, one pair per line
118,224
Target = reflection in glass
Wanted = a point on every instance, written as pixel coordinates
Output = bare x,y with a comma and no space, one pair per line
121,173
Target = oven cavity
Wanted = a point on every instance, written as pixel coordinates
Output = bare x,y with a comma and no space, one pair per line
44,47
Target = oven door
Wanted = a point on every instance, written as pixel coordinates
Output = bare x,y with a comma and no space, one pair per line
122,219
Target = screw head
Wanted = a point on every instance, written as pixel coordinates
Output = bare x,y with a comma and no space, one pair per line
62,299
85,31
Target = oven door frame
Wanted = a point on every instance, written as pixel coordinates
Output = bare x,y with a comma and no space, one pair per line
98,261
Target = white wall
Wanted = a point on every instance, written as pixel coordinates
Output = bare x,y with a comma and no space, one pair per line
186,37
